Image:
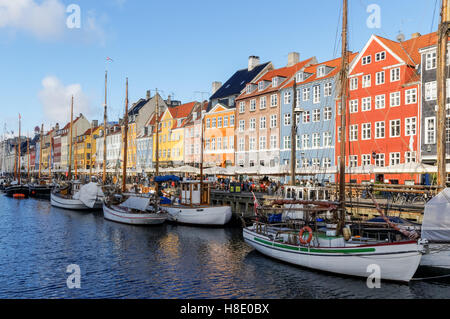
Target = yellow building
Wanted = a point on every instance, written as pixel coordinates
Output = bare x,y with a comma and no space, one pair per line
171,135
131,146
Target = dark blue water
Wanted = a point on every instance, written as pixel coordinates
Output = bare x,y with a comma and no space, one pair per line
38,242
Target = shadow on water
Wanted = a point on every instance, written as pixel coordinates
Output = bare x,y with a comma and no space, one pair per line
38,242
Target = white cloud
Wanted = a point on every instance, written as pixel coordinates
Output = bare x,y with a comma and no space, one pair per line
56,99
45,20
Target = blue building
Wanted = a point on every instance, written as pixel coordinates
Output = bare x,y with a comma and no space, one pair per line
316,121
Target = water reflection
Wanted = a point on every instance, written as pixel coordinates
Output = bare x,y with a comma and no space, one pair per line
38,242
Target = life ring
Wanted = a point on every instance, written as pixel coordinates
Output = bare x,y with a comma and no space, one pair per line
309,230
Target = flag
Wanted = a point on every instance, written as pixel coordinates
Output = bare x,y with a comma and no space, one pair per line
109,59
256,204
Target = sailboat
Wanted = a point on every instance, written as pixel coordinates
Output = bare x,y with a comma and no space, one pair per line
131,209
312,243
17,189
41,189
194,204
75,196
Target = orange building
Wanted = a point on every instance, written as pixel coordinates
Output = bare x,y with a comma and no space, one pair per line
219,136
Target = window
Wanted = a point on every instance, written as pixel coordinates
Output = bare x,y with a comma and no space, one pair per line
394,159
327,114
411,96
241,107
430,91
225,121
213,123
231,120
320,71
431,61
380,102
365,159
208,123
252,144
249,88
366,60
273,141
327,141
339,131
366,104
354,132
430,130
316,115
287,97
379,78
395,99
219,143
410,126
273,121
261,85
353,106
326,162
252,105
241,144
262,102
274,100
275,82
328,90
241,125
225,142
366,129
315,162
316,92
306,117
395,128
287,119
305,141
262,143
379,130
353,161
213,144
410,157
366,81
353,84
262,122
231,142
306,94
380,56
252,124
219,122
299,77
316,140
305,162
287,142
379,160
395,75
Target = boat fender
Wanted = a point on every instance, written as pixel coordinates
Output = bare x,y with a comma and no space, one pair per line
347,233
310,232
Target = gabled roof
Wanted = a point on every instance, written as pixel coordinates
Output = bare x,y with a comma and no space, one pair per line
198,109
335,64
285,72
238,81
181,111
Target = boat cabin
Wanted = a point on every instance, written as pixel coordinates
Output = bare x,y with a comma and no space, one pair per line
191,194
311,193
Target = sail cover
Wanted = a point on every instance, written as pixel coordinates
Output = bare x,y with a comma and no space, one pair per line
138,203
436,219
89,194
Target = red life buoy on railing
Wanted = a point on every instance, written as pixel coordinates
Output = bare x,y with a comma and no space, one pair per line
310,232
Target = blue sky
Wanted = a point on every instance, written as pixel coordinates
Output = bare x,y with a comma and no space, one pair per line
179,47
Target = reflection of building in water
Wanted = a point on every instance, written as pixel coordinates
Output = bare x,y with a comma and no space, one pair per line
170,245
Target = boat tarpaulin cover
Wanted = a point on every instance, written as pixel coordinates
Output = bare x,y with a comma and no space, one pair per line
167,178
89,194
139,203
436,219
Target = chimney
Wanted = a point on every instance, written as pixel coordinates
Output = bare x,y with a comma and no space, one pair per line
95,123
169,100
57,127
216,86
148,95
293,58
415,35
253,61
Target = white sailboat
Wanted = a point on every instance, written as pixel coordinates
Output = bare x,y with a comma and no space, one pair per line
325,249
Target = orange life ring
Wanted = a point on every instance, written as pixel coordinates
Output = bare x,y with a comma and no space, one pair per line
309,230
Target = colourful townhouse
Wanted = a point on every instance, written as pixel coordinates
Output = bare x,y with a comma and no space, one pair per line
192,134
258,110
315,120
383,112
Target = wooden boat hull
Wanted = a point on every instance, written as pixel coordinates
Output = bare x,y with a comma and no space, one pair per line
397,262
42,192
200,215
72,204
117,214
11,191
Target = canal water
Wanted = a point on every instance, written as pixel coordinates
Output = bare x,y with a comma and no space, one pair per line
38,243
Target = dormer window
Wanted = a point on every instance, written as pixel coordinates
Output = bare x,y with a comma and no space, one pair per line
299,77
249,88
275,82
321,71
261,86
194,116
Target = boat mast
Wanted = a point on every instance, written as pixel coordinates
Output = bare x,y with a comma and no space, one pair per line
19,170
41,136
69,173
294,135
50,159
343,84
28,156
90,155
125,141
442,94
201,155
75,159
157,135
105,130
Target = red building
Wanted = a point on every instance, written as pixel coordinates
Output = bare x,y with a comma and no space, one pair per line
383,112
